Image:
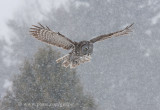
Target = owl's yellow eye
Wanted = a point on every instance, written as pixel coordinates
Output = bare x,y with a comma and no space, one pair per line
86,48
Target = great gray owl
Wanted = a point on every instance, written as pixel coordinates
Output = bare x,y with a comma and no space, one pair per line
81,51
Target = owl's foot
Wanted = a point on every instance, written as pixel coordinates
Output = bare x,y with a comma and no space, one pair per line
80,60
73,63
66,63
62,58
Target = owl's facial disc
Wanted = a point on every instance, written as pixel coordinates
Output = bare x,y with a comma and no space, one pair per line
87,49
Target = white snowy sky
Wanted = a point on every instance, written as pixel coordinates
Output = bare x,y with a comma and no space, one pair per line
8,8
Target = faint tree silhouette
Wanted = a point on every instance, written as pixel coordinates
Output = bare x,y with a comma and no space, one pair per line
45,85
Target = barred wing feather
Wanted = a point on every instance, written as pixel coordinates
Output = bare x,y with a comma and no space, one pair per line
46,35
125,31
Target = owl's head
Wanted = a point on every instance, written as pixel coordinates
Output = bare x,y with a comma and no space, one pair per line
86,48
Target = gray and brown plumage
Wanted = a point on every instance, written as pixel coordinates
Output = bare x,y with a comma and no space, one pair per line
81,51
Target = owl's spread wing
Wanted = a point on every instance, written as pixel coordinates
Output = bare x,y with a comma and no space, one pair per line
114,34
46,35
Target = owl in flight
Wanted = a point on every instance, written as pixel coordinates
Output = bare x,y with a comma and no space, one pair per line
81,51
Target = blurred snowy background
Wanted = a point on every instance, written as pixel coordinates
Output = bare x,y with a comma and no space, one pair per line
124,73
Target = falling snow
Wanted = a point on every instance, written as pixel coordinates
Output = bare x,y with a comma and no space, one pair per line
124,71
